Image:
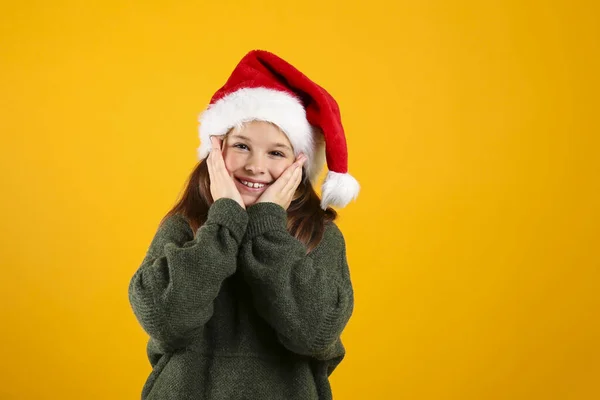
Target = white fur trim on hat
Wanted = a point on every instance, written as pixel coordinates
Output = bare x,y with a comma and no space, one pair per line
260,104
338,190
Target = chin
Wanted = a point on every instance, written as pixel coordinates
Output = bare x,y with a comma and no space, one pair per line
249,201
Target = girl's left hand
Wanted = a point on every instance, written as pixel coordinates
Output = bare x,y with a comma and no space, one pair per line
282,190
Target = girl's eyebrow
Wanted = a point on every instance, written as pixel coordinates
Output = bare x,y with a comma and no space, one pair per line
285,146
242,137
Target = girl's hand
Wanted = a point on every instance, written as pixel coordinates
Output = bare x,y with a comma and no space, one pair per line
221,181
282,190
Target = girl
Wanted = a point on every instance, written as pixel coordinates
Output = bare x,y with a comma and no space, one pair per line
245,288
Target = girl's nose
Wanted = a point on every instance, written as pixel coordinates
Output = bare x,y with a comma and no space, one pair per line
255,165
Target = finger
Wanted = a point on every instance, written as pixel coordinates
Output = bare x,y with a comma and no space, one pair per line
209,159
301,159
210,164
292,168
215,142
293,182
214,159
298,179
283,179
216,149
219,165
292,186
281,183
217,154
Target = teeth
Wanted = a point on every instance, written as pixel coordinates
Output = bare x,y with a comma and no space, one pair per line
253,185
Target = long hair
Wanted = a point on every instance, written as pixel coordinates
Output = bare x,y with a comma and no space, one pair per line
306,219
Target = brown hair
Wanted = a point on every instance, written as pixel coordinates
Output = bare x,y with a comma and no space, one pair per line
306,219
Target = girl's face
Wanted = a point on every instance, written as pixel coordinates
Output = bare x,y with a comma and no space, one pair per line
256,155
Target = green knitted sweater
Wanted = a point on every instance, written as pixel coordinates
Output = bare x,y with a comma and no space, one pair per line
240,311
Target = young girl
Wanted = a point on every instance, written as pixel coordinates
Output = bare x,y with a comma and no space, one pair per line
245,288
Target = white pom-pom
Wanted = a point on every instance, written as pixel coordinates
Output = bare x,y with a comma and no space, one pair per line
338,190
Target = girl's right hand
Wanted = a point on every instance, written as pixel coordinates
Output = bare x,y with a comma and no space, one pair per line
221,181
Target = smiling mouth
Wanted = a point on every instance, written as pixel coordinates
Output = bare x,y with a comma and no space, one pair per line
251,185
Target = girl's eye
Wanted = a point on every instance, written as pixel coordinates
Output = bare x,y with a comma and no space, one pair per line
240,146
278,153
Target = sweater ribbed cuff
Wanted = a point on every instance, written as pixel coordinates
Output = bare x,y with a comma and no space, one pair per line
264,217
228,213
330,327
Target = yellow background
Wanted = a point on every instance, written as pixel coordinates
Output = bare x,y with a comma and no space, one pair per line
472,127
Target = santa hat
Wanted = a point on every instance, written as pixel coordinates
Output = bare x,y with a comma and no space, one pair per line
264,87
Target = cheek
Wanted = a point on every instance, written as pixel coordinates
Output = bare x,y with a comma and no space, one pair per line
232,161
280,168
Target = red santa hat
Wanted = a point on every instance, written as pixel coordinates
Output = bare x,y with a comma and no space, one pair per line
264,87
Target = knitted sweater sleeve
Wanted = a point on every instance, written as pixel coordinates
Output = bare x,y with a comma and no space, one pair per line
173,290
307,299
